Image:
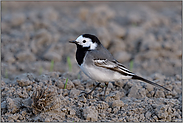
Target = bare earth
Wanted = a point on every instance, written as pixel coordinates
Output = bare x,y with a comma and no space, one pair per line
36,33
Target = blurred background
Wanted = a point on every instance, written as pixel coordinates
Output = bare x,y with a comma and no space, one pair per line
144,36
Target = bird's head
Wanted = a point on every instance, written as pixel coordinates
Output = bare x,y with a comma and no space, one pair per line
87,41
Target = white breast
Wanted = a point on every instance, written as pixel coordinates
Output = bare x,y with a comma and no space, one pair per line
102,74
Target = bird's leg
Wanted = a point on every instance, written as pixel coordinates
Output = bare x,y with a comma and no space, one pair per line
94,88
91,90
106,84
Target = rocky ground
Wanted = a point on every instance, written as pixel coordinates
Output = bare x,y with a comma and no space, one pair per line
36,34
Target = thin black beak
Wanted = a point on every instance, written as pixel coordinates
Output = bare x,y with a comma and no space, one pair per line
72,42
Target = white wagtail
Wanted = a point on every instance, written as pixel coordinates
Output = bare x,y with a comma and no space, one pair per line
98,63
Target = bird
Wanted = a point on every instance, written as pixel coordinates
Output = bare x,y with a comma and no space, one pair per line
99,64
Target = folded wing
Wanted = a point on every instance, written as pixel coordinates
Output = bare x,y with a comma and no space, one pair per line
113,65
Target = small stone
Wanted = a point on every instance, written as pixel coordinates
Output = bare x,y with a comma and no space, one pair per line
74,92
76,82
152,44
169,118
3,107
102,115
5,27
149,87
52,56
43,37
9,58
90,113
82,98
174,93
115,110
151,54
158,76
47,119
117,103
80,87
167,45
65,92
27,102
161,111
22,93
148,114
110,86
13,105
25,56
102,105
72,112
14,117
28,88
17,19
89,83
155,117
23,81
136,92
117,95
178,77
109,110
119,83
159,94
27,27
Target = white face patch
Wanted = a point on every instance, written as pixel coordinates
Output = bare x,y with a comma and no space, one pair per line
86,42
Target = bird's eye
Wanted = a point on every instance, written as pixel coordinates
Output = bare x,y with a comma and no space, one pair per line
84,41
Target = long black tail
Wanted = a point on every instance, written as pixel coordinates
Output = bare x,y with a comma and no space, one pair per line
148,81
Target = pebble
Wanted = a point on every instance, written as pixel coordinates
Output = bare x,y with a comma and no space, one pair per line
74,92
25,56
90,114
136,92
117,103
148,114
9,58
3,107
14,105
52,56
76,82
17,19
23,81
